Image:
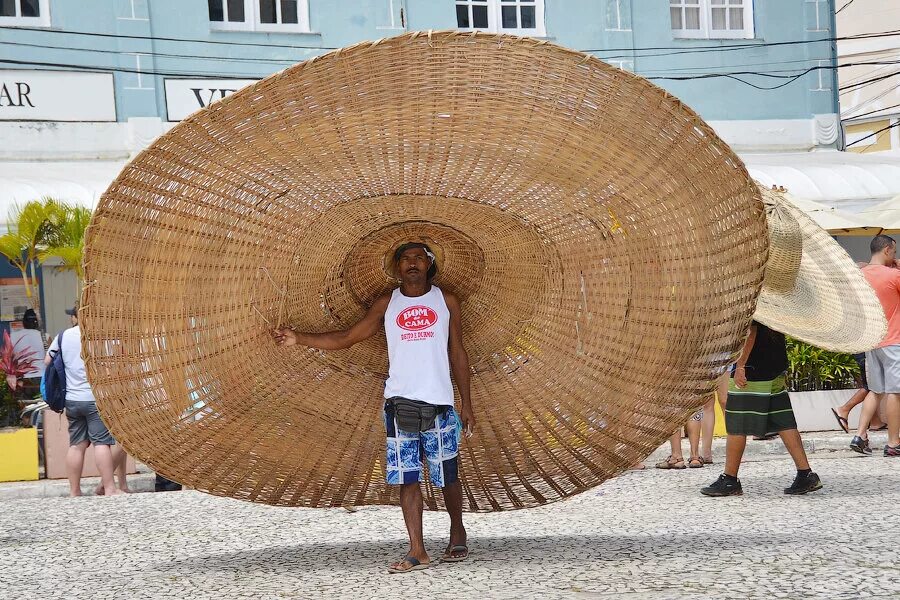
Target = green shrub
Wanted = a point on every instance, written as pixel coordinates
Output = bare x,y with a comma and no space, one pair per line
812,368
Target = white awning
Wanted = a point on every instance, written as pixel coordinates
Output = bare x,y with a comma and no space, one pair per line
76,182
834,221
844,180
886,215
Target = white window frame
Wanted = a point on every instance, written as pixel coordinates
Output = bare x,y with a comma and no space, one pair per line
495,18
252,22
706,32
620,6
20,21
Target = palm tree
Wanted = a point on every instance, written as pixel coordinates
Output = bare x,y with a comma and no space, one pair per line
67,241
29,227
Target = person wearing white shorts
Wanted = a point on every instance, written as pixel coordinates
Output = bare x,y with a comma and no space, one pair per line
883,363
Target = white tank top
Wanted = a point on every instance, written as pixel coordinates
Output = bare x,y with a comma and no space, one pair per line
418,331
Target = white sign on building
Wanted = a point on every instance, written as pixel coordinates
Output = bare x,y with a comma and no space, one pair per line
56,96
186,96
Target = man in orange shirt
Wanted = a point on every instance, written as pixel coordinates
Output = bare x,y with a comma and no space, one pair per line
883,363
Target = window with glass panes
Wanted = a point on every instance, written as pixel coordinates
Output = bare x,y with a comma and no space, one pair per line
259,15
618,15
524,17
711,19
27,13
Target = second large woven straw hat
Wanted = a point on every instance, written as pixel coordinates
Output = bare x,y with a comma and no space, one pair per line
607,248
813,290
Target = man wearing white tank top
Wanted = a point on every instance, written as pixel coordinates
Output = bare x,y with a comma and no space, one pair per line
424,338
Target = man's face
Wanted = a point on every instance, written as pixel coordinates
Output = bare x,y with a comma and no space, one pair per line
413,265
74,320
891,252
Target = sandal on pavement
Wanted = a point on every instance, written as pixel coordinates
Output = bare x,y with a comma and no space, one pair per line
882,428
412,561
671,463
456,549
845,425
706,461
695,463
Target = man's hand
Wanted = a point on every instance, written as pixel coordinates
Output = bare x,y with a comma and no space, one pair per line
468,421
285,337
740,377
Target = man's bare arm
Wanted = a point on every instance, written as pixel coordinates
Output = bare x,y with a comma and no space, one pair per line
338,340
459,362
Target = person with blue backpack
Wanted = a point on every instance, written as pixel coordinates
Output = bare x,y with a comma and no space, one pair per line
66,387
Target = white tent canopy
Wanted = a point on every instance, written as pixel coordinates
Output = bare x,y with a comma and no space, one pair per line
885,215
76,182
834,221
844,180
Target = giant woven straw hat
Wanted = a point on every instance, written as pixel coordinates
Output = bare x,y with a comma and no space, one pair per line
607,248
813,290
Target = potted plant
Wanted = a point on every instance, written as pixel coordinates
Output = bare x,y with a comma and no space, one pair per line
18,445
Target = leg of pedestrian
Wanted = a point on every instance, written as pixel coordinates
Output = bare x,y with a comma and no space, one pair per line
104,460
693,432
806,481
860,442
412,506
708,427
675,460
458,549
892,410
728,483
120,460
75,465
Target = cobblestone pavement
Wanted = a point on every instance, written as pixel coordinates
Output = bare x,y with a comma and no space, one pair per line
647,534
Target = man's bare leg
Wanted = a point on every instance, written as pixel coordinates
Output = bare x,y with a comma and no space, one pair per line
869,408
74,466
844,409
892,412
734,451
412,505
453,502
794,444
722,390
708,428
103,458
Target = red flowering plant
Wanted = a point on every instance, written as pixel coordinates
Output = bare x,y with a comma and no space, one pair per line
15,364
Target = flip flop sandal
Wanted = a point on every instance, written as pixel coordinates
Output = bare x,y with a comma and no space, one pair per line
841,421
671,463
452,549
412,560
882,428
706,461
695,463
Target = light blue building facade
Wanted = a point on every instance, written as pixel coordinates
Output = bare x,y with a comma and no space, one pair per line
85,85
762,42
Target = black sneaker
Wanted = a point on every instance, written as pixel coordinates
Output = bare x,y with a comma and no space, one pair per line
891,450
860,445
723,486
803,484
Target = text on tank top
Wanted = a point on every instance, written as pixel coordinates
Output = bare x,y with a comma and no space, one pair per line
417,329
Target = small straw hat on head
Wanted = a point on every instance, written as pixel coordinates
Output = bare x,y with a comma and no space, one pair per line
813,291
606,246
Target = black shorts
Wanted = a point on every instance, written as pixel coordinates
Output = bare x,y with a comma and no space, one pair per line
861,361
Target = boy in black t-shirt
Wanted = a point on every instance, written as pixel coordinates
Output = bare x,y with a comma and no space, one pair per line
758,403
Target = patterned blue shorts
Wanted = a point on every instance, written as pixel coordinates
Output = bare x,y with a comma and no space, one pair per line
440,445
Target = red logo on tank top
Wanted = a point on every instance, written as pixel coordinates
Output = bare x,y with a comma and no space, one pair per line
416,318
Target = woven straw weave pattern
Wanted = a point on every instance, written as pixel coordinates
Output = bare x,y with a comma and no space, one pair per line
607,247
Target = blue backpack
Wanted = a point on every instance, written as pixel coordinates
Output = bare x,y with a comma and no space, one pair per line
53,383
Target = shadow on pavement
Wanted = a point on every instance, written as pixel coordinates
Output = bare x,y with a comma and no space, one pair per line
541,550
